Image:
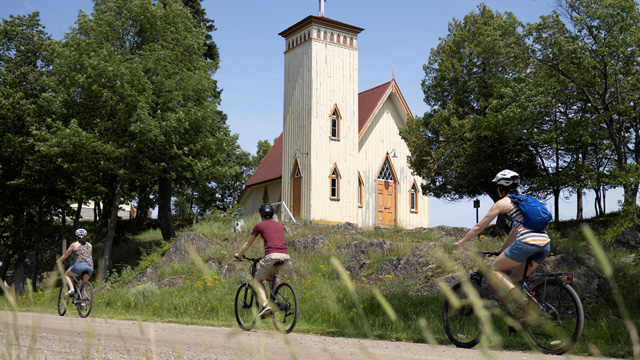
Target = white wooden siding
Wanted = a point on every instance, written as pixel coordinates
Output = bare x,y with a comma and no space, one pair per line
318,75
380,137
253,198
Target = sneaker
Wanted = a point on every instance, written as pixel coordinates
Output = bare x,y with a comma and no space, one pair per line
70,293
266,310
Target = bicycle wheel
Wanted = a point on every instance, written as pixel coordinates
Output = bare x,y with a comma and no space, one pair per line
246,306
63,300
462,325
285,313
556,324
85,300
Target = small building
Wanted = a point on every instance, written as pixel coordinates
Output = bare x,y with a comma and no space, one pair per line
125,211
340,157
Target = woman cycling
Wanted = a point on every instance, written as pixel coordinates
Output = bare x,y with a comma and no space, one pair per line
83,264
521,241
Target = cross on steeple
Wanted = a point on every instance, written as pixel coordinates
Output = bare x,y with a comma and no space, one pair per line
321,11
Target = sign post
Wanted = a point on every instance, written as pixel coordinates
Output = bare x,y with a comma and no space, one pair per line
476,205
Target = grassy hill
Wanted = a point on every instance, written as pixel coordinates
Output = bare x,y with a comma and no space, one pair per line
201,290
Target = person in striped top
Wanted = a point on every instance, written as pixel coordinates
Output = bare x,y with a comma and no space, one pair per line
83,262
521,241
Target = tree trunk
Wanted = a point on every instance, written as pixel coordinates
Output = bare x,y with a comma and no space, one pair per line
580,207
144,201
4,268
39,239
63,230
111,232
78,214
630,195
597,204
556,204
19,277
165,222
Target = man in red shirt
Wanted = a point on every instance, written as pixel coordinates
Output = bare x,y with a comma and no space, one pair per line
276,253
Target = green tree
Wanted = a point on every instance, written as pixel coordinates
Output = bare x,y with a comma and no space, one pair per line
593,45
136,83
30,187
219,194
469,133
262,149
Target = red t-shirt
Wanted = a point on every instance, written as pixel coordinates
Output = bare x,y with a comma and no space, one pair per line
273,234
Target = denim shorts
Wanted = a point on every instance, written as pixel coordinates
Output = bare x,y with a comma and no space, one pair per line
519,252
79,268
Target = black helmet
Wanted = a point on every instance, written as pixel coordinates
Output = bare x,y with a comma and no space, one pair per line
266,210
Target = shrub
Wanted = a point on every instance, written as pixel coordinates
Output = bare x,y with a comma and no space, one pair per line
144,291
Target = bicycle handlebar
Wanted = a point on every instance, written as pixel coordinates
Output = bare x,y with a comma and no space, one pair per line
489,253
255,260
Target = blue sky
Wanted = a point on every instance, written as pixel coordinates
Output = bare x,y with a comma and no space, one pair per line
398,36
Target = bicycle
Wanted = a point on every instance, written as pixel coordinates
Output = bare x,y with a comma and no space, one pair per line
82,299
553,322
284,297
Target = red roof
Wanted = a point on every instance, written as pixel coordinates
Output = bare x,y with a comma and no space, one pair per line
368,100
271,166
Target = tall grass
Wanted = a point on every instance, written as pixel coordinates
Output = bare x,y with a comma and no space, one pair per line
332,301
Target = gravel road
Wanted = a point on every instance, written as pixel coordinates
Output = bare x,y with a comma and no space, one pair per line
46,336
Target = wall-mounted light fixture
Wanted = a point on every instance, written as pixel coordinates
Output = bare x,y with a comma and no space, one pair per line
295,153
393,153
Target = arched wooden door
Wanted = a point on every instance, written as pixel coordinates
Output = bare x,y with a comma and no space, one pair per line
386,209
296,190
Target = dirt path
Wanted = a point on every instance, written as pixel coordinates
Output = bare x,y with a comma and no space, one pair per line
45,336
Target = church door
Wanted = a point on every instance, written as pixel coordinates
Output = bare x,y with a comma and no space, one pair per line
386,196
296,191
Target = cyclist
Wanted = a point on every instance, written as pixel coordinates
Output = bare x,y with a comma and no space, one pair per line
520,244
83,263
275,252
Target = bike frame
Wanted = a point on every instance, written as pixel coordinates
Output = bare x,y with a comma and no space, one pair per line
272,281
565,277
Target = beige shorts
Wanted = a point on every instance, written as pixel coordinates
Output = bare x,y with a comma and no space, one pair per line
266,268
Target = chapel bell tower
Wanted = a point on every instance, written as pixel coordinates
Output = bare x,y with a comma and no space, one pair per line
320,119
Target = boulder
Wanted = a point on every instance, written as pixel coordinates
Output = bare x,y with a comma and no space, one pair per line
628,239
357,263
378,246
345,226
444,232
309,244
223,270
434,286
412,266
178,253
590,285
171,282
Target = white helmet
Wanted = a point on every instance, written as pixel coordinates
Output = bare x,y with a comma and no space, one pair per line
81,233
507,178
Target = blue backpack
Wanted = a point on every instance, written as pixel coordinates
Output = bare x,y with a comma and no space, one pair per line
536,214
